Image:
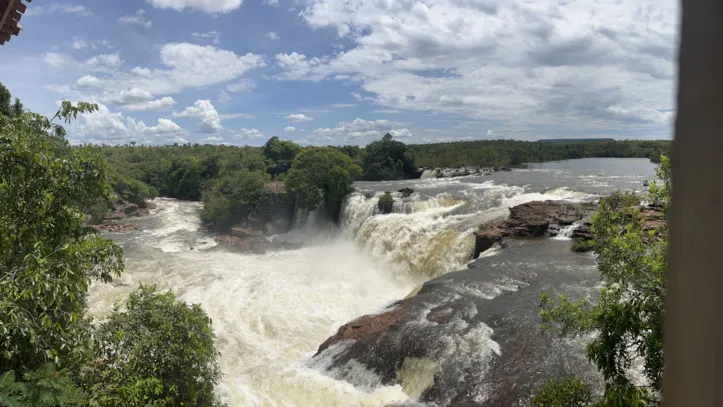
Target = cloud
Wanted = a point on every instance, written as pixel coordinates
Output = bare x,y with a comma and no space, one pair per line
203,110
359,130
273,3
157,104
104,126
299,118
489,133
98,63
289,129
386,111
43,9
249,134
79,43
341,105
191,65
58,88
243,85
231,116
272,35
142,72
553,66
207,6
137,19
87,81
214,36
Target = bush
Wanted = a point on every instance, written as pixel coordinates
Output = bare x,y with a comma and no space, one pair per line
232,197
568,392
386,203
583,245
321,175
159,352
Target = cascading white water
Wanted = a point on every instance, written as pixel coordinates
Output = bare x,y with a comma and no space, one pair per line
270,312
566,232
426,236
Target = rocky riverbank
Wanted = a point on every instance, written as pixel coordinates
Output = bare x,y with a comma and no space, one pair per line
112,221
457,172
537,219
470,338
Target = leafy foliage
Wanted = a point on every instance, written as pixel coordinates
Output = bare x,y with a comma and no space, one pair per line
321,175
48,256
583,245
45,387
388,159
568,392
158,352
232,198
280,154
628,316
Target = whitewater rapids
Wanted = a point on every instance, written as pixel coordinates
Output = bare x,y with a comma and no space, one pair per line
271,312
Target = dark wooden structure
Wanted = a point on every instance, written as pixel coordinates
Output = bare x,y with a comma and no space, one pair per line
10,13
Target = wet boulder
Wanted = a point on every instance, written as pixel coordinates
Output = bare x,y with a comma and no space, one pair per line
406,192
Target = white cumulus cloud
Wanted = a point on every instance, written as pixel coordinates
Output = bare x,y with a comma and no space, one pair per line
272,35
87,81
289,129
206,113
299,118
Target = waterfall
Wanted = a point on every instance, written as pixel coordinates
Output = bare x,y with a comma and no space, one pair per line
566,232
420,237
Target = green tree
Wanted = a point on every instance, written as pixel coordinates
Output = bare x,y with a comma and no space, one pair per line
321,175
48,256
44,387
281,154
5,99
628,316
158,352
232,197
17,108
387,159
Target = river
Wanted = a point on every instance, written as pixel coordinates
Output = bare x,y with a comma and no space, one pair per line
271,312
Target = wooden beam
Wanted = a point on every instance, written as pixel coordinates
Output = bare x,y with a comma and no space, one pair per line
6,14
694,306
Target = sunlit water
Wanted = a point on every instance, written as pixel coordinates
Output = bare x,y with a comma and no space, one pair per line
270,312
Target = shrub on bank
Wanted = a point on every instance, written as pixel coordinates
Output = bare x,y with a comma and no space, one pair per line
583,245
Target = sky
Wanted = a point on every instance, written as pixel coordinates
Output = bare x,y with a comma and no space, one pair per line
333,72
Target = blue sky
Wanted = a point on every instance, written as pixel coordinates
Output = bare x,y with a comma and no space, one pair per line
348,71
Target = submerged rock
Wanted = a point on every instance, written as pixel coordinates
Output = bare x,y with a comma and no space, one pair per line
114,227
406,192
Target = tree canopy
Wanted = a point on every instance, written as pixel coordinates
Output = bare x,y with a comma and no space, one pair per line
388,159
321,174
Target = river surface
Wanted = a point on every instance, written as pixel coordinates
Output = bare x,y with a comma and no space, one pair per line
271,312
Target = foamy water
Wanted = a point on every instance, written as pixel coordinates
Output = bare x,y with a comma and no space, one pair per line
271,312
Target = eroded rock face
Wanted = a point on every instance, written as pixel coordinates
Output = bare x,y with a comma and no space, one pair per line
471,338
535,219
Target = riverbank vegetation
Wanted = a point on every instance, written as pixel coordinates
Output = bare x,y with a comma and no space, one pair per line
627,316
152,350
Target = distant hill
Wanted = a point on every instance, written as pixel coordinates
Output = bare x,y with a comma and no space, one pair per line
573,140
